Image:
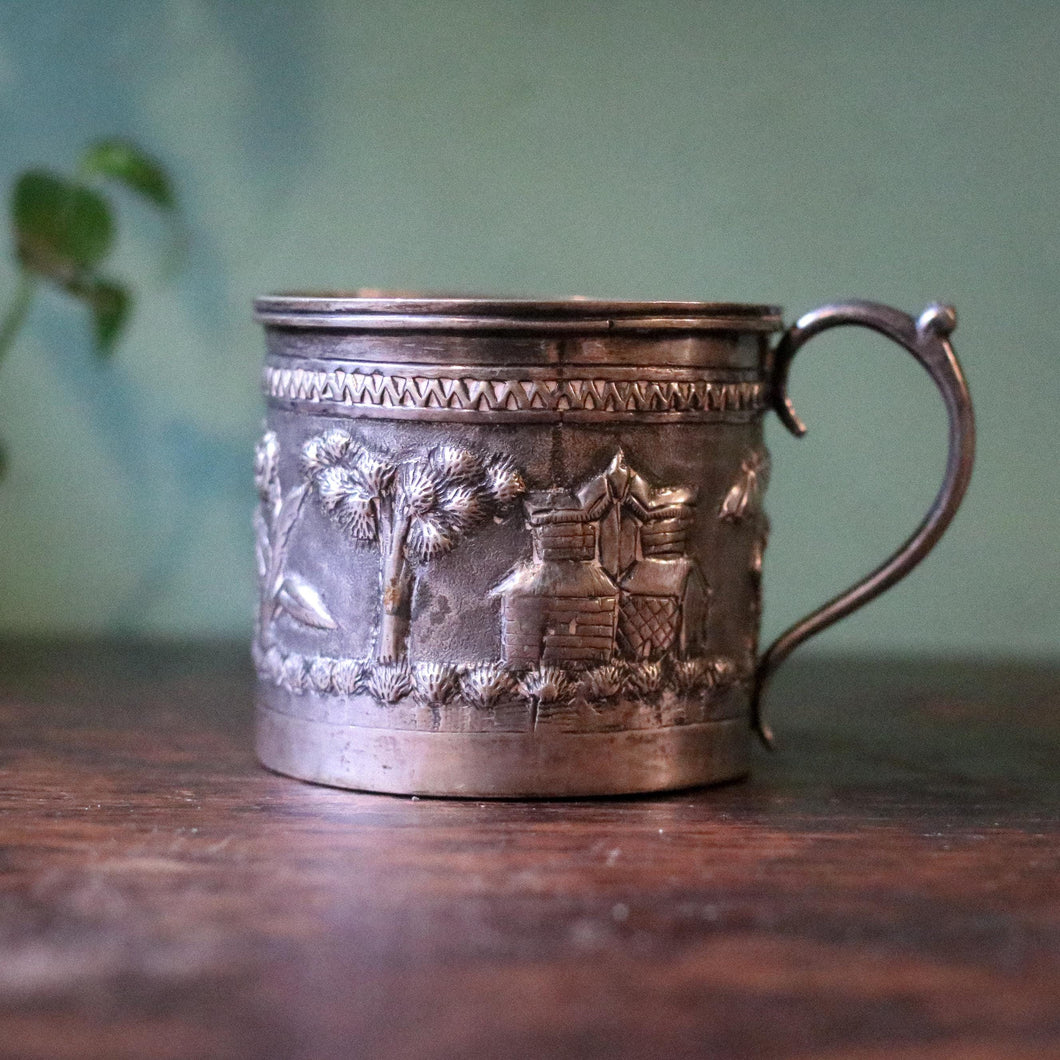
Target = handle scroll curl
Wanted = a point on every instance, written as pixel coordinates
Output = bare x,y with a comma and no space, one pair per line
927,339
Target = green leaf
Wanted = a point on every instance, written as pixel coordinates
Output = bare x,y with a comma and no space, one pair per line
110,304
3,460
60,227
123,161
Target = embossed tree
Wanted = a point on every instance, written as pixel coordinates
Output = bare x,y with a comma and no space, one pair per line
416,506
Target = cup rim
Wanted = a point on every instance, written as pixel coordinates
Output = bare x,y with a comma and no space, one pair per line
371,309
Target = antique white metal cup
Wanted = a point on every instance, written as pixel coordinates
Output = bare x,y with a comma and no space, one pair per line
514,548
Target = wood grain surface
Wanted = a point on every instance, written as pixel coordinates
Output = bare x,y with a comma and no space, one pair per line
886,885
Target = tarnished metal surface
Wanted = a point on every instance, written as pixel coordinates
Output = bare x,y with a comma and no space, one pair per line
515,548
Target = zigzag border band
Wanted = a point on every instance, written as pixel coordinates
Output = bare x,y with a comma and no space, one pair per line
460,397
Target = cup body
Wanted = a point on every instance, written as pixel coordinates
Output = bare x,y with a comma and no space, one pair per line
510,548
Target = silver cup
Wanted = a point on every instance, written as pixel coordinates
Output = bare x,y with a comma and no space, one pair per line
514,548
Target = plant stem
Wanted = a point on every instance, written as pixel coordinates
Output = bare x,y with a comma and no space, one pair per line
15,316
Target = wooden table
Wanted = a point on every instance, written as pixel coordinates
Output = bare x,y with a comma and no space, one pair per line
885,886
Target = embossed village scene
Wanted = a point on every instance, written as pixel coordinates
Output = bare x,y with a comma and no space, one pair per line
603,618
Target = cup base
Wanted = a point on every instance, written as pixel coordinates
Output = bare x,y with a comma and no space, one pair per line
503,764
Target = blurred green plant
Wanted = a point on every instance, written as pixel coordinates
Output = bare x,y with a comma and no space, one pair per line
63,230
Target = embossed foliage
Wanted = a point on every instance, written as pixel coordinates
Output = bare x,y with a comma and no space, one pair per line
417,505
745,494
274,522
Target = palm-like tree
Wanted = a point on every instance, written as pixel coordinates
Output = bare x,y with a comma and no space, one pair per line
417,506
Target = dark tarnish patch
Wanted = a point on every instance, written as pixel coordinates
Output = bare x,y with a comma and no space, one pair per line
441,611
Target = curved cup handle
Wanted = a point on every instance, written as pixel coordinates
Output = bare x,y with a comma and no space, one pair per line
927,339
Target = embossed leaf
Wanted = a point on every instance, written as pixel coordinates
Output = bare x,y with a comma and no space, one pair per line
504,482
454,463
123,161
330,449
389,682
691,675
434,682
603,682
335,485
61,228
285,522
464,506
418,486
431,536
261,540
356,515
375,470
646,676
745,492
486,684
347,675
322,674
342,491
303,603
267,472
737,501
547,684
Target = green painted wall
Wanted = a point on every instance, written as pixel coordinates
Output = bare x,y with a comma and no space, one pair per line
732,150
